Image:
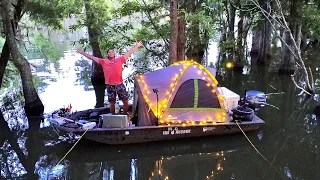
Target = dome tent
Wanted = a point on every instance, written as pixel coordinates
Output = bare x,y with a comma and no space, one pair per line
187,94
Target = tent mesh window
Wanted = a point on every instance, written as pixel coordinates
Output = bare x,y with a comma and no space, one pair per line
206,98
185,96
195,93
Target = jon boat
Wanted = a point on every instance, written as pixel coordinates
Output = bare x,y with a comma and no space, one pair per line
179,101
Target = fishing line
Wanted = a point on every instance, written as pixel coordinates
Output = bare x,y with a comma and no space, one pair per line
259,151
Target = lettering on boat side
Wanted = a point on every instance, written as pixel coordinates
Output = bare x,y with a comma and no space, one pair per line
205,129
171,117
176,130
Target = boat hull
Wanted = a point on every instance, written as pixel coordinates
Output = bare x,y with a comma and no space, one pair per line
161,133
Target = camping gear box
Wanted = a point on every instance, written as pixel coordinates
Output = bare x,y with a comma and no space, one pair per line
113,120
231,98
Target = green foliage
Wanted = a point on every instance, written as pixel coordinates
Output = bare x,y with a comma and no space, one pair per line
51,49
11,76
39,84
142,20
83,69
45,12
205,19
311,22
43,47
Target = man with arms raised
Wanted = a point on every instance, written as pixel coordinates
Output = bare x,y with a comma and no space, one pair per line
112,69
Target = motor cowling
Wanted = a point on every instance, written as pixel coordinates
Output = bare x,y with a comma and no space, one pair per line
255,99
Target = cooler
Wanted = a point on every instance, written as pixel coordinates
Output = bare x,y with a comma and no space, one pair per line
113,121
231,98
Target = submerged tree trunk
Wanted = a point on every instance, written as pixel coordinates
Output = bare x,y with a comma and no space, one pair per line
173,32
97,76
261,42
32,99
231,36
239,61
261,45
288,60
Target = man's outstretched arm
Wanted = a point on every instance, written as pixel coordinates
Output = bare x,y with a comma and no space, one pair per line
132,50
88,56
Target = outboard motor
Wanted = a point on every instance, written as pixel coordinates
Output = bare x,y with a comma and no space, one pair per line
249,105
255,99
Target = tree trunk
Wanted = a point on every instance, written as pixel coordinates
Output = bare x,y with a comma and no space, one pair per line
246,27
181,38
97,76
223,37
173,31
239,62
231,38
287,66
288,60
32,99
261,46
5,53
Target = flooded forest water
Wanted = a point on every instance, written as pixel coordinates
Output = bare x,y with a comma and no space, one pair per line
288,142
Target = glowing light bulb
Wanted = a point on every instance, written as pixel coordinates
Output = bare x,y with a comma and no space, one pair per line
229,65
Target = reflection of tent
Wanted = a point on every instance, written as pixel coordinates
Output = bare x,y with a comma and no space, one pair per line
187,94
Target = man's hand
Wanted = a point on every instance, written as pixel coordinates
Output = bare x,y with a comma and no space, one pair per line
139,44
91,57
80,51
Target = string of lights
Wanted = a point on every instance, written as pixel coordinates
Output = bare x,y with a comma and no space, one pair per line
204,74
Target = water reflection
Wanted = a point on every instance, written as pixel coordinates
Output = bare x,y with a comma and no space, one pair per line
186,159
